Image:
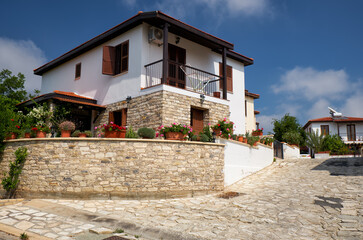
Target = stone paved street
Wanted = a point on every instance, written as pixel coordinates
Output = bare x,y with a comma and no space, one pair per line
291,199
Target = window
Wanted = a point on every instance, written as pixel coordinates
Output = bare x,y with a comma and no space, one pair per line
115,59
324,129
351,132
229,78
118,117
77,74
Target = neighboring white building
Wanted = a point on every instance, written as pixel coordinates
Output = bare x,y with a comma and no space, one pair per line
153,70
250,112
350,129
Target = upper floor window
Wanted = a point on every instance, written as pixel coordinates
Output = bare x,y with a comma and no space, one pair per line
115,59
77,74
229,78
351,132
324,129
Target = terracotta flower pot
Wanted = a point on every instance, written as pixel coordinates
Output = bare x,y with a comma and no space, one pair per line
82,135
257,133
66,133
240,139
26,135
217,94
11,136
245,140
121,134
111,134
174,136
41,134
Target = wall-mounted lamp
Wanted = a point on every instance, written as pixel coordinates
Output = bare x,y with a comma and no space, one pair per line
177,40
128,99
202,98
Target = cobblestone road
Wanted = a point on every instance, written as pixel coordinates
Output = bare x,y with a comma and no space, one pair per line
292,199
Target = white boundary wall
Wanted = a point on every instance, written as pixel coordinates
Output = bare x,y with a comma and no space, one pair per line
291,151
241,160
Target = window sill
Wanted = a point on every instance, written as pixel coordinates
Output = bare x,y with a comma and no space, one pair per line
120,74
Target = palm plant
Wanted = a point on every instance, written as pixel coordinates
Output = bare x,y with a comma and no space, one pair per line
315,140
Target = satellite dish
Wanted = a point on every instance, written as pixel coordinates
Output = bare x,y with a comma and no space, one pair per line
334,113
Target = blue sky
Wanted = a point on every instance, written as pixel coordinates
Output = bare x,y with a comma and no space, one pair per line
308,54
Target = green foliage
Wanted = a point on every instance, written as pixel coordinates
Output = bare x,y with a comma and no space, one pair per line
67,125
225,127
76,133
251,140
88,133
7,111
175,128
206,135
119,230
267,140
10,181
60,114
131,133
12,87
315,141
24,236
334,144
288,124
146,133
292,137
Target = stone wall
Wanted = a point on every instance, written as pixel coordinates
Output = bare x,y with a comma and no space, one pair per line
164,108
116,168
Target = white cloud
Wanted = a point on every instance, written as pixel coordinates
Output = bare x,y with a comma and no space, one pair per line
352,106
22,56
211,8
318,109
265,122
309,83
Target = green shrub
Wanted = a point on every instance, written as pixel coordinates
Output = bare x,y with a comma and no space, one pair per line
292,137
76,133
334,144
131,133
203,137
146,133
206,135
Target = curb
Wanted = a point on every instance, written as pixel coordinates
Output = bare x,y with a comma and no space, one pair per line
5,202
17,232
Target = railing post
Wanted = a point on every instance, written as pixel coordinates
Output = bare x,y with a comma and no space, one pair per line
224,72
165,54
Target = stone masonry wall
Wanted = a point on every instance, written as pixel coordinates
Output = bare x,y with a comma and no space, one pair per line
165,108
111,169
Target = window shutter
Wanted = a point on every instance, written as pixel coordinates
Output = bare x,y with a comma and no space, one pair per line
124,117
229,78
111,117
108,60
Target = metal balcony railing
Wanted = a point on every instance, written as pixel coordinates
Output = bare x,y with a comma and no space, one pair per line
183,76
354,137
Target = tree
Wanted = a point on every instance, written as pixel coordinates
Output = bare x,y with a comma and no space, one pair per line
288,128
12,87
315,141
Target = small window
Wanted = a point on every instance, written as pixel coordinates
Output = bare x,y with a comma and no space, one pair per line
115,59
77,74
118,117
324,129
246,108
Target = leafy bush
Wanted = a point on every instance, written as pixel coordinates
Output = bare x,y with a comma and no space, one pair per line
334,144
76,133
207,135
315,141
225,127
292,137
131,133
10,181
203,137
146,133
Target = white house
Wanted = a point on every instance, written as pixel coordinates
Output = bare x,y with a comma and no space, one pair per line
151,70
350,129
250,112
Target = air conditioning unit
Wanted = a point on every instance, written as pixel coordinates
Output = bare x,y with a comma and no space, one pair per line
155,35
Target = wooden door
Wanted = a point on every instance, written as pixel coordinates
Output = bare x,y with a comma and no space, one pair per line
197,120
351,132
176,76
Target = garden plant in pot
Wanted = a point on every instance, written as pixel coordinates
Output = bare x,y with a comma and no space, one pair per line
66,127
41,131
175,131
113,130
223,128
81,134
147,133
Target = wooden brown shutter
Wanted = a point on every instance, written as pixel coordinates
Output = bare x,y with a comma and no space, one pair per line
108,60
124,117
111,117
229,77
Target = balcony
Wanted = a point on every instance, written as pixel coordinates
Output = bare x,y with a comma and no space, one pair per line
184,77
356,137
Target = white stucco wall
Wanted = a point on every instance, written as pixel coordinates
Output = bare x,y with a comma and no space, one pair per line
241,160
333,129
291,151
250,118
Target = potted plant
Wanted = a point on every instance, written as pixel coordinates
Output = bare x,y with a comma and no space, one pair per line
41,131
258,132
66,127
223,128
175,131
113,130
81,134
240,137
27,132
147,133
13,129
130,133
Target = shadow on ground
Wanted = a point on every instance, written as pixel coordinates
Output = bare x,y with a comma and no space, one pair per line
342,166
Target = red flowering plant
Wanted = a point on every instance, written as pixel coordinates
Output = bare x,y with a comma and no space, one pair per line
225,127
13,125
257,132
175,127
43,128
110,127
